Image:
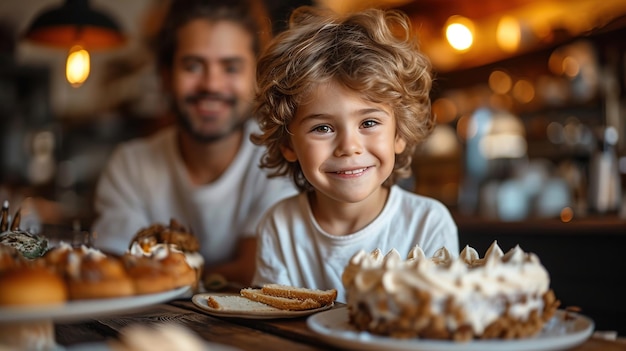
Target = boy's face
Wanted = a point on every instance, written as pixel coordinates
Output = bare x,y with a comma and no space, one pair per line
346,145
213,77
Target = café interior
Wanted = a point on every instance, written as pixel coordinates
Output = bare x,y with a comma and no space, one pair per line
529,147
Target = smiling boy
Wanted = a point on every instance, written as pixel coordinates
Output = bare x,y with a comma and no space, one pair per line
343,101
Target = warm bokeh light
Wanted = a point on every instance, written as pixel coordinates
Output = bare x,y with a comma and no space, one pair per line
500,82
463,130
523,91
460,33
508,34
555,63
445,110
442,142
567,214
571,67
78,66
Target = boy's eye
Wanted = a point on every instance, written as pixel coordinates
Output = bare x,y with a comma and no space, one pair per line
369,123
322,129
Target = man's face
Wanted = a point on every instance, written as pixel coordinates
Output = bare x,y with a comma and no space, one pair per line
213,78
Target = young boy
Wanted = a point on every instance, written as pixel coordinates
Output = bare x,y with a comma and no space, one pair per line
343,101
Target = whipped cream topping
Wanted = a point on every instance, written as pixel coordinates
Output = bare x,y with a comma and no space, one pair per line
156,251
161,250
481,287
77,255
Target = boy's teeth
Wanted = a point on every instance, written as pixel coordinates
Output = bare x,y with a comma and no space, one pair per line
352,172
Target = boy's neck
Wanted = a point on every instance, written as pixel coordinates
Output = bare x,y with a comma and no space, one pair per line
343,218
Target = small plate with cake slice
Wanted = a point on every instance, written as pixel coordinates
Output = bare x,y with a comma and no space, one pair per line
270,301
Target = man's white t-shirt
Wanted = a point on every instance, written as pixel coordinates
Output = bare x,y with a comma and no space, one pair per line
146,182
294,250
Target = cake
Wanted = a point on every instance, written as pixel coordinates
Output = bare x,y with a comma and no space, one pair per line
499,296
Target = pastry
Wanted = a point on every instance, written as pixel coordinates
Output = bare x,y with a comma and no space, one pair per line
147,274
176,236
90,273
31,285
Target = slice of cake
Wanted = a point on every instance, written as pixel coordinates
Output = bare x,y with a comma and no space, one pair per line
498,296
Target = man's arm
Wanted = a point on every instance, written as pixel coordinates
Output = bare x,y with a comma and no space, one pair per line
118,206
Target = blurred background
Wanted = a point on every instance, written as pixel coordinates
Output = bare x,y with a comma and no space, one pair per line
529,98
529,95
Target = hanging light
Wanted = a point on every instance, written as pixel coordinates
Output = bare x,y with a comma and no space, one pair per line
76,27
77,66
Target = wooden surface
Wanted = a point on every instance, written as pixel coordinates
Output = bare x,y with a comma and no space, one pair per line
243,334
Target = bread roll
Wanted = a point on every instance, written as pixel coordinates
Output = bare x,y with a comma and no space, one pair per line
31,285
148,275
98,277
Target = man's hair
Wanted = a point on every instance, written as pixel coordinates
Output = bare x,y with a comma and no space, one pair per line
372,52
250,14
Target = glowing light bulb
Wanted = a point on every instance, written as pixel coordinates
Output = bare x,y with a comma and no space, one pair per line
460,33
78,66
508,34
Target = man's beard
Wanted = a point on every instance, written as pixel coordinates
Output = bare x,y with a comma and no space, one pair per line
234,124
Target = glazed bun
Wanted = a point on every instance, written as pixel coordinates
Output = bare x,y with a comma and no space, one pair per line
99,277
175,247
148,275
31,285
175,263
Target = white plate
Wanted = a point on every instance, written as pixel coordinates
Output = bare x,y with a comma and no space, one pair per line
558,334
80,309
200,300
103,346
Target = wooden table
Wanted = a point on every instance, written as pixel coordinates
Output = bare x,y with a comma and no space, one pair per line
244,334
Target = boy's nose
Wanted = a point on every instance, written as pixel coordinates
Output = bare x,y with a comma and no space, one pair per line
349,143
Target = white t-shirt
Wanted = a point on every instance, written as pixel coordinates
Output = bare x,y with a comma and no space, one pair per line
145,182
294,250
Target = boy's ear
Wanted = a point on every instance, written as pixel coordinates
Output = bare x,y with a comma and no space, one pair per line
288,153
399,145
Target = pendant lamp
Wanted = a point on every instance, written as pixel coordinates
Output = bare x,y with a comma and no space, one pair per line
78,28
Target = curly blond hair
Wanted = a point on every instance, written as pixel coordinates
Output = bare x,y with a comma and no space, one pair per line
372,52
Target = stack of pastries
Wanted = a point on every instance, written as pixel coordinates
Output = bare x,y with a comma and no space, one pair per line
65,272
498,296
